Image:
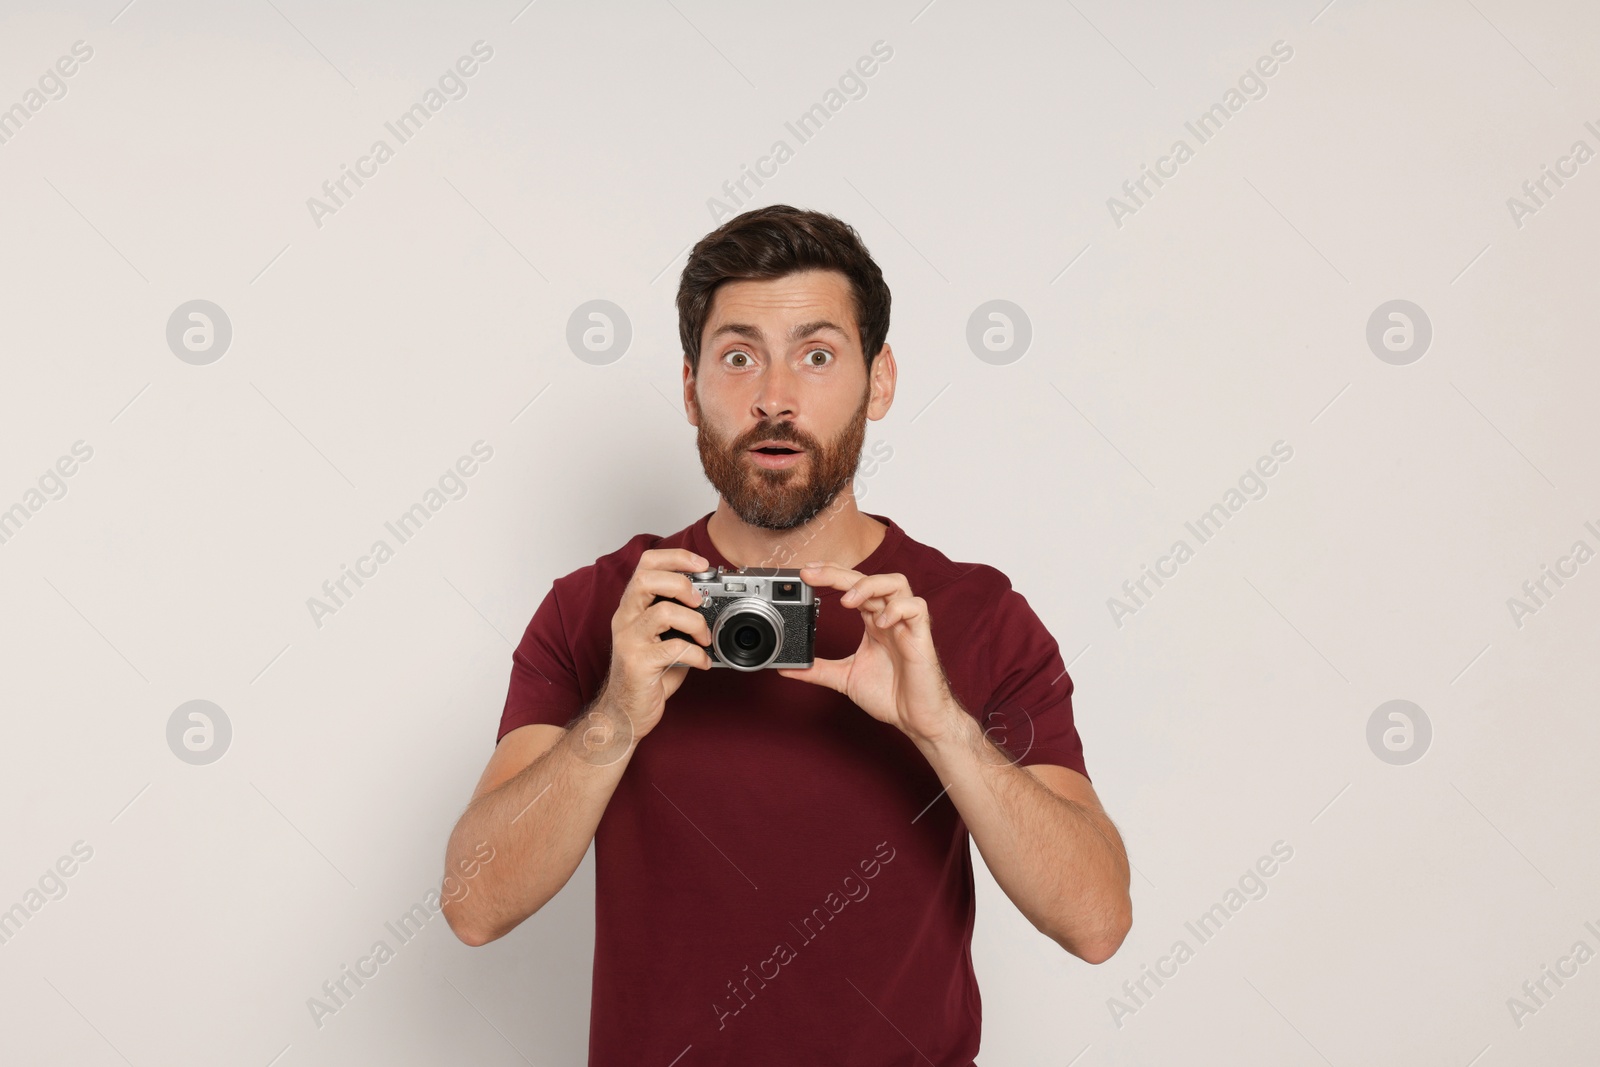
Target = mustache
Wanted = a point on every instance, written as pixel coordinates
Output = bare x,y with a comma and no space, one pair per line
781,433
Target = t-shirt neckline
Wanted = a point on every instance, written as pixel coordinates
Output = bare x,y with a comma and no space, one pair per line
700,541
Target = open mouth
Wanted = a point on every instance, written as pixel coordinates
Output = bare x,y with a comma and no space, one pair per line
776,456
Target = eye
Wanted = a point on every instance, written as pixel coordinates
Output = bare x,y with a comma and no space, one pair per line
823,351
737,352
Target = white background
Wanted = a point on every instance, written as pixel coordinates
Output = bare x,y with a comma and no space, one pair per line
1168,353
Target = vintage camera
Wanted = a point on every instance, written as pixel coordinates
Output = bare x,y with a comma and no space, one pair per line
759,617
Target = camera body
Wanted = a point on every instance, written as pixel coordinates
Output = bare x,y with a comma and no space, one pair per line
759,617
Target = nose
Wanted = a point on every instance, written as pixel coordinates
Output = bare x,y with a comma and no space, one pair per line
775,395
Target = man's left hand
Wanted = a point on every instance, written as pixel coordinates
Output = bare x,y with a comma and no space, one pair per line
894,674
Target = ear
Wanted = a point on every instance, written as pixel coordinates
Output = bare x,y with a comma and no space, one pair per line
689,406
884,373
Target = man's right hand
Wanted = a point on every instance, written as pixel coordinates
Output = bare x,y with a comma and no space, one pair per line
643,674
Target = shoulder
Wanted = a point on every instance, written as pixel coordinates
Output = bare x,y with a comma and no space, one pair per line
934,575
980,594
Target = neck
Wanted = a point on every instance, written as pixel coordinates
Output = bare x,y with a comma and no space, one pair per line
840,533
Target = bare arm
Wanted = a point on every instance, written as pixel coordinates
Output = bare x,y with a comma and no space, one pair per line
541,797
1044,835
537,806
1042,831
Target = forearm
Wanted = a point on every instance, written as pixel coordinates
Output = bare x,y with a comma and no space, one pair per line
539,823
1062,863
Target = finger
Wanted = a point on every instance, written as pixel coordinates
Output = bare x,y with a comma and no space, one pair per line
672,559
672,562
825,672
685,654
830,576
909,609
678,652
870,606
646,585
876,585
903,622
670,615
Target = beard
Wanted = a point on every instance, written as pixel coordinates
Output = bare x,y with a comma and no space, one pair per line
791,497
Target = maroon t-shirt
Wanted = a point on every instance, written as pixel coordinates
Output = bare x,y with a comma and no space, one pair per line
778,877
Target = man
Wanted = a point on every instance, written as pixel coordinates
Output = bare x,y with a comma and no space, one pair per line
782,866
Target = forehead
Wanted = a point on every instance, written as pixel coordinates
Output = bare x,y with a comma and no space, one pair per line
804,296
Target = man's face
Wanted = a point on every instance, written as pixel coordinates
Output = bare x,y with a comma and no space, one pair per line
781,367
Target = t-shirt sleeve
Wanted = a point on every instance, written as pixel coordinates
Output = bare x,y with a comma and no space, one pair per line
544,678
1029,713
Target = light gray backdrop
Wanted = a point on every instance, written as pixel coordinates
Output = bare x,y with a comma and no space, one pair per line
233,456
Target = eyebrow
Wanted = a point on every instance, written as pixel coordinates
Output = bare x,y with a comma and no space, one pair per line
804,329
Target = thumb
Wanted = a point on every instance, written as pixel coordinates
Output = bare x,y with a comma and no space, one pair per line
826,672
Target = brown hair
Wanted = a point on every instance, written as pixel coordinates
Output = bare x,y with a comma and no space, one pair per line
770,242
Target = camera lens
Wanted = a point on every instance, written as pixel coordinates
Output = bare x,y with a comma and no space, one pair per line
748,634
